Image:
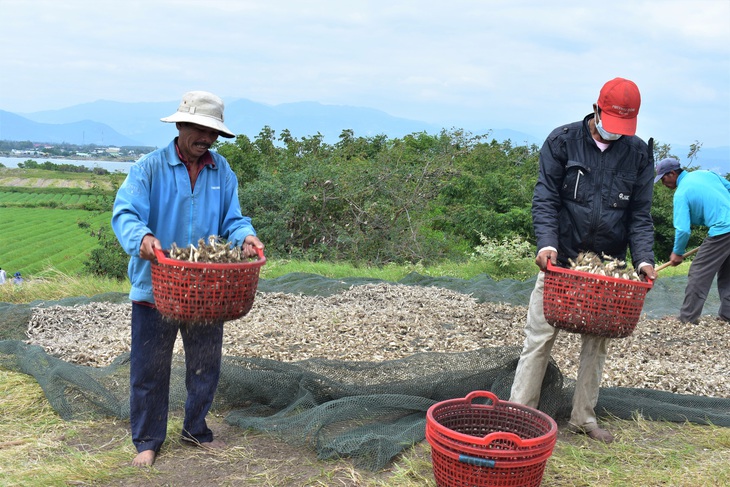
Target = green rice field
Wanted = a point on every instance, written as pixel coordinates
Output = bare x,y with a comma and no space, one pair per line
33,240
45,199
47,219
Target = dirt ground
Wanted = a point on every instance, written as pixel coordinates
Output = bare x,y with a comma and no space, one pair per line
252,459
249,459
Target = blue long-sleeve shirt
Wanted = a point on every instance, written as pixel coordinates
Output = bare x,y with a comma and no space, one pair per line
156,198
701,198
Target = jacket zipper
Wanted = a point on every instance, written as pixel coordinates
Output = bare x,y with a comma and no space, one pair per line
598,198
577,183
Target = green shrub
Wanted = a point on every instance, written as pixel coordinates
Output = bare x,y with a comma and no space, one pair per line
109,260
503,253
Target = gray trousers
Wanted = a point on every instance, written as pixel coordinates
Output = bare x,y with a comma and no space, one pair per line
713,259
539,341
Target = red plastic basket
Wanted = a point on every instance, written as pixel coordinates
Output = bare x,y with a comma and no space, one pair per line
203,292
496,444
582,302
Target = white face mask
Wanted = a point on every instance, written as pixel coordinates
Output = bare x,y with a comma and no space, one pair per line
602,132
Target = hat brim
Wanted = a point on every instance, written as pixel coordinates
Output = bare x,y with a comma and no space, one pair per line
203,120
618,125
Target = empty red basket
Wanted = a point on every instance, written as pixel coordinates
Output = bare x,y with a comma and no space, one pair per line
583,302
203,292
497,443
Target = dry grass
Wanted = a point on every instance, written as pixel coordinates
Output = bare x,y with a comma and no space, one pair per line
52,285
37,448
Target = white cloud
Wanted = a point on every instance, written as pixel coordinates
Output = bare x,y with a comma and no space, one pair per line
526,65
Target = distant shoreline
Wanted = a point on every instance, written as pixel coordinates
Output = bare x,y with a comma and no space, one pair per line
68,158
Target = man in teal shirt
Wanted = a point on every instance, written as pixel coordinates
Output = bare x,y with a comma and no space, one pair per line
701,198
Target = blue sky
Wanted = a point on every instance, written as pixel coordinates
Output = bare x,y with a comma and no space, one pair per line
521,65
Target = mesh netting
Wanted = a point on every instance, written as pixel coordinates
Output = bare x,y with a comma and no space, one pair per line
369,411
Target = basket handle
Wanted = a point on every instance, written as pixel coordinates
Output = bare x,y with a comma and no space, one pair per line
497,435
482,394
159,253
260,252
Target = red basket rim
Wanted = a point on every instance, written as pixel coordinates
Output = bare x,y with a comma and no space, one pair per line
433,436
164,260
475,444
597,277
498,435
498,463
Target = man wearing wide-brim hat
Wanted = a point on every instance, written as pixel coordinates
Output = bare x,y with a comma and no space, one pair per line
177,194
199,120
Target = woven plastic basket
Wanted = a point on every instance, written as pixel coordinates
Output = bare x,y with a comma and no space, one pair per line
494,444
582,302
202,292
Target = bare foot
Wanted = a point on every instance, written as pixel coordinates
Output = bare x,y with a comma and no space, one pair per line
144,458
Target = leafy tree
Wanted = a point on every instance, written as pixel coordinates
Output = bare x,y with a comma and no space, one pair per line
491,193
264,142
109,259
363,199
244,158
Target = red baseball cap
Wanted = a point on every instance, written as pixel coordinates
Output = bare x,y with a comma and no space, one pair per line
619,102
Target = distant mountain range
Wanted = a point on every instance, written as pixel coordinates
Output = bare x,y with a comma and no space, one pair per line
15,127
116,123
109,123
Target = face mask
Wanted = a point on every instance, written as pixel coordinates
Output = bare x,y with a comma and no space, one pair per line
602,132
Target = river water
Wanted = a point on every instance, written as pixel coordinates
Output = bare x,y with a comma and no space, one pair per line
110,166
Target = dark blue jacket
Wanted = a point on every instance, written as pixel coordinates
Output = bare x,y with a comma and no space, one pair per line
588,200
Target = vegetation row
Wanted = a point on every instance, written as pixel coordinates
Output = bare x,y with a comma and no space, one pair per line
370,201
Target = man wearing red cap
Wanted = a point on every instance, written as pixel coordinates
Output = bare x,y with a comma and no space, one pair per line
593,194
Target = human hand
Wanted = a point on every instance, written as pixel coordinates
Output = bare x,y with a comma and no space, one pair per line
648,271
544,256
676,259
148,246
250,244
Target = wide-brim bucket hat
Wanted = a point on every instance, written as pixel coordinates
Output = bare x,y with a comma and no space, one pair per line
201,108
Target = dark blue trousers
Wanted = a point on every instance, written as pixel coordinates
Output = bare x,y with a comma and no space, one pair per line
153,340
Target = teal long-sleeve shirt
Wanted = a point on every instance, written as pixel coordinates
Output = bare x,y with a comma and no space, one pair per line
701,198
156,199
